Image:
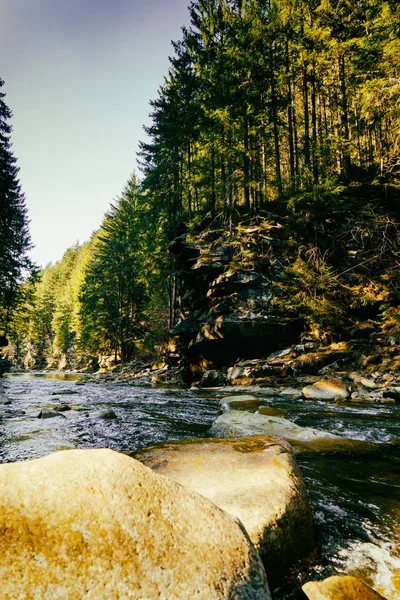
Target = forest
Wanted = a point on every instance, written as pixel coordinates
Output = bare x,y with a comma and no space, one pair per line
287,108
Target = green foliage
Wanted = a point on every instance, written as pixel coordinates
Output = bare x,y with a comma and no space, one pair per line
14,225
310,291
108,296
267,106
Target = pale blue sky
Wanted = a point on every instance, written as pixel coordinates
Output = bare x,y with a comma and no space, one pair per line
78,77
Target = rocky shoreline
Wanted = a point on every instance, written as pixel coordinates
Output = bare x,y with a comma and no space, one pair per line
247,468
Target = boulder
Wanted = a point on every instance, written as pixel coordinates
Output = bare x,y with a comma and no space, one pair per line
236,423
4,400
290,393
98,524
62,408
255,479
106,414
393,392
48,413
367,383
340,587
326,389
242,402
213,378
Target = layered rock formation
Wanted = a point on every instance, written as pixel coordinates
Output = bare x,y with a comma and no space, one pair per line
226,304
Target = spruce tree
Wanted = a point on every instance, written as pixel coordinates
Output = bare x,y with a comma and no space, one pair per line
14,225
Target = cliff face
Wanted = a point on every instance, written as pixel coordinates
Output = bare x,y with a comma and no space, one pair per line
322,272
227,307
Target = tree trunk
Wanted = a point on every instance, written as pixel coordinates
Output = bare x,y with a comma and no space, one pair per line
274,113
346,164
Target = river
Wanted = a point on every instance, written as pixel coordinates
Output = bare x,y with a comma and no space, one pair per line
355,497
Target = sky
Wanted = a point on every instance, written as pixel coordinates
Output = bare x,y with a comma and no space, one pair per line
79,75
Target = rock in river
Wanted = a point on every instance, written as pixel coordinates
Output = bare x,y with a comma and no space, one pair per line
236,423
107,414
255,479
340,588
98,524
47,413
326,389
243,402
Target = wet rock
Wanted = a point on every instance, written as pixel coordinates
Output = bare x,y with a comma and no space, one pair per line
388,377
47,413
121,531
272,411
393,392
340,587
107,414
64,393
62,408
242,424
326,389
242,402
368,383
213,379
290,393
256,480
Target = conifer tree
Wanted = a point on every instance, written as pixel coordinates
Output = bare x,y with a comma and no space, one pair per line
14,226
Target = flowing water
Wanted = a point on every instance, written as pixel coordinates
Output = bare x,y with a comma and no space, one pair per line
355,496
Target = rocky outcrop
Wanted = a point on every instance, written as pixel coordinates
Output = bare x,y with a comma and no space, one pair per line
226,305
255,479
95,523
340,588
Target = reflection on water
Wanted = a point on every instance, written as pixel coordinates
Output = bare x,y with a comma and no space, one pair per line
355,497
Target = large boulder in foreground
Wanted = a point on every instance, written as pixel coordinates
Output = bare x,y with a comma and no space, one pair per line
340,587
235,423
255,479
98,524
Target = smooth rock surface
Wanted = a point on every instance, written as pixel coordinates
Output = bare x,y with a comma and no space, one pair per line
107,414
255,479
97,524
326,389
234,423
47,413
242,402
340,587
290,393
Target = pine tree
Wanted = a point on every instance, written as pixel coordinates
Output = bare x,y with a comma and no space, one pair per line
14,225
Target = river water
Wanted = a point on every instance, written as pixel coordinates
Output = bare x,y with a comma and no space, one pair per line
355,496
